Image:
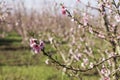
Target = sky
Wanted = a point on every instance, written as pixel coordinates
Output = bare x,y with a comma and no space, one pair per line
40,4
30,3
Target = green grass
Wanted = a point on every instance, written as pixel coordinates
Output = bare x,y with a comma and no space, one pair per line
36,73
29,73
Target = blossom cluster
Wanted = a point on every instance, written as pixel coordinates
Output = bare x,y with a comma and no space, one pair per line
105,72
5,10
36,45
63,10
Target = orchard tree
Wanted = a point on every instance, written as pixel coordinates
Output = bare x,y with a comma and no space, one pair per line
5,11
93,44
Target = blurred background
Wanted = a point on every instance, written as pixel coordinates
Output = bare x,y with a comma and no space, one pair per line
42,19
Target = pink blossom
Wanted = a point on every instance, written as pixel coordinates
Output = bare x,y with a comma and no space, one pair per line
63,10
113,25
103,70
36,46
77,56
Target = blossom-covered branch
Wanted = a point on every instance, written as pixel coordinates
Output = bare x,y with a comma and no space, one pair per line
74,69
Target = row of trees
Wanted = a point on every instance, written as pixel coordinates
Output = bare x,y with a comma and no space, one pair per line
93,43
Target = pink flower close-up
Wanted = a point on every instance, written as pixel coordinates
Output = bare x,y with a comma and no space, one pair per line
63,11
36,47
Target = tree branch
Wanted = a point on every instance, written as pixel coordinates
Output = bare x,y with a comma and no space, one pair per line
74,69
